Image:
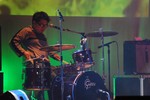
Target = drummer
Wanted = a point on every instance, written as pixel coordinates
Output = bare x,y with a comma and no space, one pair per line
28,40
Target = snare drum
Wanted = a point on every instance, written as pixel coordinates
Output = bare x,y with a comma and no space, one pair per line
37,76
67,69
83,58
82,86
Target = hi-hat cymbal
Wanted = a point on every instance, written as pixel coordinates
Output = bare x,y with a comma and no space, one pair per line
99,34
57,47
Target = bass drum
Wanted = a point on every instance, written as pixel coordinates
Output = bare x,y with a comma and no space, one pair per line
84,86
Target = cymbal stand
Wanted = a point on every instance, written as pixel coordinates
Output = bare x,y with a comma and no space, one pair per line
102,59
83,41
83,44
109,65
61,58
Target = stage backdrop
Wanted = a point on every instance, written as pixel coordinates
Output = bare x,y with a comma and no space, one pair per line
96,8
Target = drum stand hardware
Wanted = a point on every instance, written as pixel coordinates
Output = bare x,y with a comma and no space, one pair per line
61,59
83,41
69,97
41,95
33,96
104,92
108,61
102,59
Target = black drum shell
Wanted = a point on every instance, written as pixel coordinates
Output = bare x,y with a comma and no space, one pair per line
83,58
37,76
83,86
67,69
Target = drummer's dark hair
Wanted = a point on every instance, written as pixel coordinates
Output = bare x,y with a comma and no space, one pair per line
37,16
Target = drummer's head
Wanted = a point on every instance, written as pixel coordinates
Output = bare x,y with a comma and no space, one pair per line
40,21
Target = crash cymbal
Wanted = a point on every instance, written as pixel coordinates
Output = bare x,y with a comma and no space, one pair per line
99,34
57,47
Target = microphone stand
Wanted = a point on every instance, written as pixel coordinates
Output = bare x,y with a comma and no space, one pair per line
109,65
102,59
61,58
104,92
108,45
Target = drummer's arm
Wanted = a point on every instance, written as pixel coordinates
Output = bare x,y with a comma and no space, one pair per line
57,57
16,43
54,56
27,55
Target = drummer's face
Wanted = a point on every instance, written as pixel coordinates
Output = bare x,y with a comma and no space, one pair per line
40,26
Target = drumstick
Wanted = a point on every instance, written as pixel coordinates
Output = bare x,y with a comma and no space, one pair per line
65,62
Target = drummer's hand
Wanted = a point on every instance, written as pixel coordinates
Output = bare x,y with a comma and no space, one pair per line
58,58
27,55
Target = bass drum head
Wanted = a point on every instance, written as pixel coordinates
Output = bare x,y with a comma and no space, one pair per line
83,86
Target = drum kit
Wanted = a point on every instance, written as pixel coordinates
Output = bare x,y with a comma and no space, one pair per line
79,82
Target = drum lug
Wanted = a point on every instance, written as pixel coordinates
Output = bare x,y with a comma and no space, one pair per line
69,97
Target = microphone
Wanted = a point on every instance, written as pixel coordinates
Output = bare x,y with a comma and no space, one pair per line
56,27
60,15
106,44
53,26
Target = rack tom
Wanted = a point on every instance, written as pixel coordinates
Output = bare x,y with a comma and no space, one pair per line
83,58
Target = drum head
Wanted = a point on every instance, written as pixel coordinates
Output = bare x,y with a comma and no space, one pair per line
83,86
87,85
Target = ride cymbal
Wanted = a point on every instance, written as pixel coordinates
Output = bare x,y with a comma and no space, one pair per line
99,34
